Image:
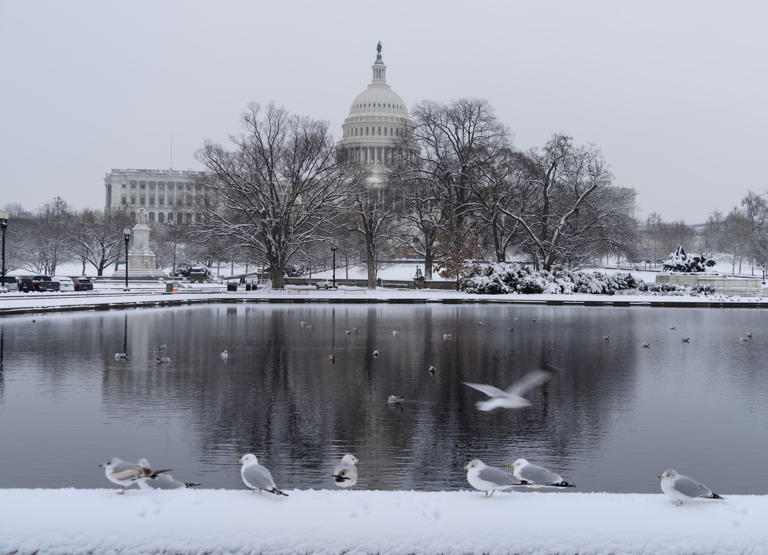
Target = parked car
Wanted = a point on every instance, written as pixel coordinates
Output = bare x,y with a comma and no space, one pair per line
10,285
83,284
65,283
324,284
37,283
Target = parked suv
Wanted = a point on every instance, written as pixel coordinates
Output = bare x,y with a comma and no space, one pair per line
65,283
83,284
37,283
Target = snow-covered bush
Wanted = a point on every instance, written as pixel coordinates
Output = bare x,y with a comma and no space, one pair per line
673,289
495,279
678,261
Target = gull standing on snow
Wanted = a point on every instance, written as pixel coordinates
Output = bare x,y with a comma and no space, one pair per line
124,473
257,477
224,354
512,397
682,488
164,481
537,476
488,479
345,473
121,356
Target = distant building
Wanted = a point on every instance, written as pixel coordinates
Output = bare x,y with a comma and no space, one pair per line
376,120
168,196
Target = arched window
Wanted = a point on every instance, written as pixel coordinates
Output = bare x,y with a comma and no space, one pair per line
160,218
133,216
170,217
151,218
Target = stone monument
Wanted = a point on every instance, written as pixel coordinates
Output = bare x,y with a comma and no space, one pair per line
141,259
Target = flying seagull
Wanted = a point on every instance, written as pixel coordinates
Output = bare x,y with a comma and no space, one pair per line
512,398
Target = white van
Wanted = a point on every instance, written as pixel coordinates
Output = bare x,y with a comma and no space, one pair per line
65,283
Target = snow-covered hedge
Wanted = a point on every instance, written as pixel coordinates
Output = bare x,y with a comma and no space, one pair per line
678,261
513,278
499,278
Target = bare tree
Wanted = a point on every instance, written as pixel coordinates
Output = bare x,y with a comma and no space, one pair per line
565,178
374,218
277,188
442,160
19,244
96,237
49,237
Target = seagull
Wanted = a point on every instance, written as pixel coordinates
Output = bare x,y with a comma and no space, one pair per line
121,356
375,354
682,488
163,360
432,370
537,476
512,397
257,477
447,336
302,323
124,473
355,330
488,479
162,347
332,358
479,323
224,354
673,327
743,339
686,339
394,399
164,481
606,338
347,332
647,345
749,334
510,330
395,333
345,473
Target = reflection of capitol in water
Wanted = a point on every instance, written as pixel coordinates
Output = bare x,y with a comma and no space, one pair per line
604,420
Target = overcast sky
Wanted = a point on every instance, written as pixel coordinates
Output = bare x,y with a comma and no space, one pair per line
674,93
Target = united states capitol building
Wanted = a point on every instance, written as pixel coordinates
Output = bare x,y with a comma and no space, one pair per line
377,118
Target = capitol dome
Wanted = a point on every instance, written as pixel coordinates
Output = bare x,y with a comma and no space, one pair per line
377,117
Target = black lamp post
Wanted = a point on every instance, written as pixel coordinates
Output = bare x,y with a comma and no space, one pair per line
3,226
333,250
126,238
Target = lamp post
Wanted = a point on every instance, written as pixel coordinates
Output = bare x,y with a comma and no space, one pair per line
3,226
333,250
126,238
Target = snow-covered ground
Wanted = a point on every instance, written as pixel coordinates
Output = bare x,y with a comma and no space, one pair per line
320,521
51,301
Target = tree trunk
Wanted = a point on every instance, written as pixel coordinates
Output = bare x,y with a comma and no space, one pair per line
428,263
346,264
371,263
276,277
497,244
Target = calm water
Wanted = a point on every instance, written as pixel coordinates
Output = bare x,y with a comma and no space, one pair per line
612,419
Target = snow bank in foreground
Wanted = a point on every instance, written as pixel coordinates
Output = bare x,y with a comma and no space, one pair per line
196,521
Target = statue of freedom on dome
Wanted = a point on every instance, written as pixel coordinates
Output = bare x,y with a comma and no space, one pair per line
378,52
